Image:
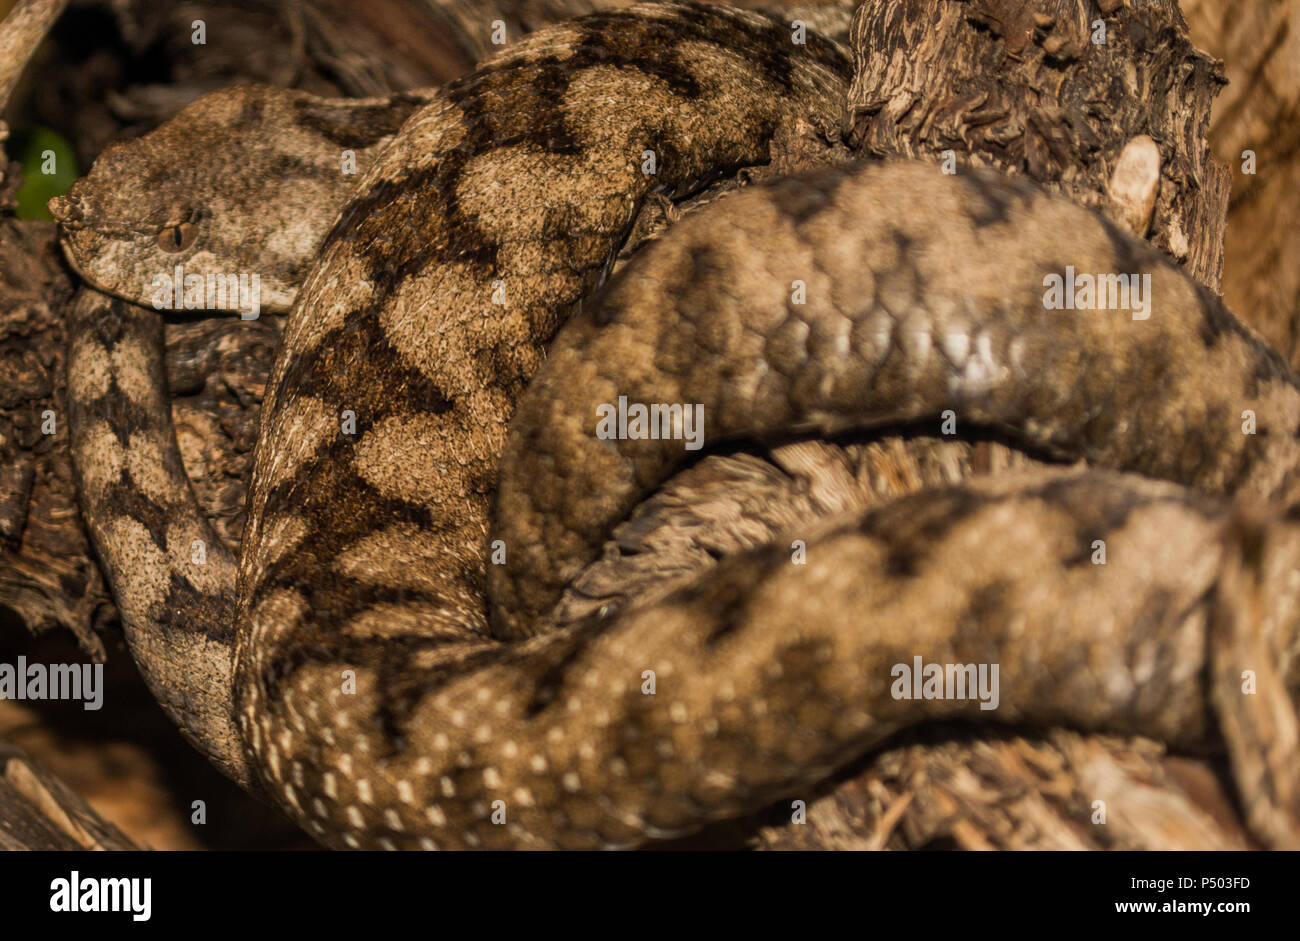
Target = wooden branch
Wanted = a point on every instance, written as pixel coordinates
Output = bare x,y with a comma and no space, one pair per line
20,33
40,812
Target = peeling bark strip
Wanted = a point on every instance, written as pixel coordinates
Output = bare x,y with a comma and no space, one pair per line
1256,132
21,32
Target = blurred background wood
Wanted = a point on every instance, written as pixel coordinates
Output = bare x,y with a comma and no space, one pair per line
1259,112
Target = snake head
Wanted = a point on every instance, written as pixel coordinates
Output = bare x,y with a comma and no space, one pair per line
235,184
111,243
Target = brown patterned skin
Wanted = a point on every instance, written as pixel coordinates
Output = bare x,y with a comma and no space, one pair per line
171,576
516,185
770,674
365,551
257,176
923,294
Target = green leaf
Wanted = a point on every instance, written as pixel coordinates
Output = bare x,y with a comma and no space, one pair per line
49,168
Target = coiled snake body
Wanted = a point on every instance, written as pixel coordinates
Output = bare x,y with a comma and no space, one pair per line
373,698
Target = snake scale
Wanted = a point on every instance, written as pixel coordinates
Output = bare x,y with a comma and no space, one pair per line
370,693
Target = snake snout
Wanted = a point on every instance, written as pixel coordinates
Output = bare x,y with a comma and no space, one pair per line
68,210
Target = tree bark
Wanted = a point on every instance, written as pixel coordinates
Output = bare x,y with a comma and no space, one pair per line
1259,114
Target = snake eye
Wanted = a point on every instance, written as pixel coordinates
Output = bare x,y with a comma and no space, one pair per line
178,237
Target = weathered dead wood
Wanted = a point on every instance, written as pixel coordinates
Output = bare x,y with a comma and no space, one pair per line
1259,113
40,812
998,791
20,33
47,577
1026,88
